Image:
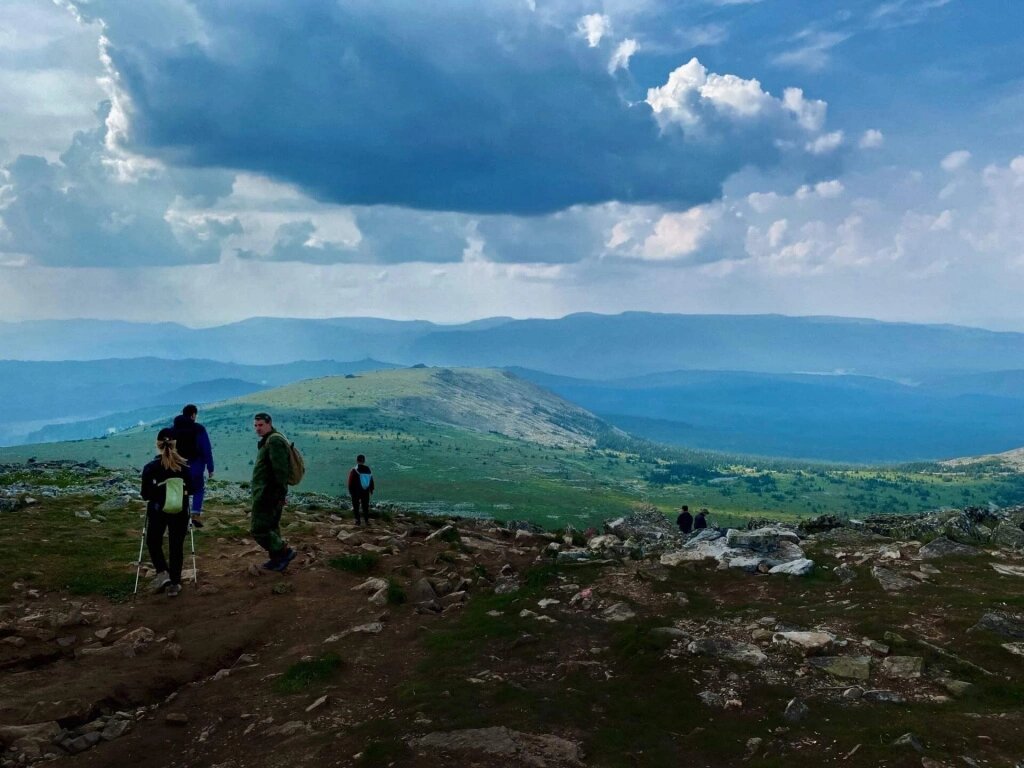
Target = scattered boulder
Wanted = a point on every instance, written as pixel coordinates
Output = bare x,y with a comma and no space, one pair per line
372,584
800,567
761,540
902,667
1001,623
946,547
807,642
796,710
890,580
618,612
421,591
513,747
909,740
1008,570
1008,534
288,729
726,648
848,667
883,697
845,573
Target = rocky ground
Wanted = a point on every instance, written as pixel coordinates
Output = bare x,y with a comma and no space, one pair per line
421,640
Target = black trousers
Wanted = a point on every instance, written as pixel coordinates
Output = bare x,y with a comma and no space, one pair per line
363,499
176,526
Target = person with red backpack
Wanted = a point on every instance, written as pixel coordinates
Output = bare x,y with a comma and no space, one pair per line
360,486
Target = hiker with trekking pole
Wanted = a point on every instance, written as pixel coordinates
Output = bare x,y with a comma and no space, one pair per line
165,487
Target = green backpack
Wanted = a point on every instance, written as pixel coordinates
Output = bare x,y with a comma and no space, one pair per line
296,464
174,500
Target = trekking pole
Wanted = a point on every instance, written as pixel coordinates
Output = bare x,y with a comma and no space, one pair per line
138,561
192,536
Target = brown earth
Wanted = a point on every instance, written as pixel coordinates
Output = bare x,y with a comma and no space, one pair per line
542,664
236,609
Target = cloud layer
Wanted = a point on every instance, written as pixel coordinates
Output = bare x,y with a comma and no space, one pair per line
475,107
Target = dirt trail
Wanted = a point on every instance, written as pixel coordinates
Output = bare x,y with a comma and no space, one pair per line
219,646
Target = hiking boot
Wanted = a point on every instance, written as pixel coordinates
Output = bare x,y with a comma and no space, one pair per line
197,521
173,590
160,582
271,564
283,561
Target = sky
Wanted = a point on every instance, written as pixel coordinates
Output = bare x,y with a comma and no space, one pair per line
204,162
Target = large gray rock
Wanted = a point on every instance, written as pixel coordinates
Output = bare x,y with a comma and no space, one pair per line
847,667
800,567
1001,623
796,711
761,540
421,591
1008,533
807,642
12,734
618,612
945,547
705,534
705,549
1008,570
512,747
726,648
902,667
890,580
748,563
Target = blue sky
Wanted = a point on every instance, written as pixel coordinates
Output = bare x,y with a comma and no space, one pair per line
449,161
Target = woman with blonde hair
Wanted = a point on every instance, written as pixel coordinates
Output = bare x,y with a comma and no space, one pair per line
165,486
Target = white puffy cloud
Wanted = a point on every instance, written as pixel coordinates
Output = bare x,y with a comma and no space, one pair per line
825,144
623,53
954,161
823,189
871,139
678,235
594,27
691,90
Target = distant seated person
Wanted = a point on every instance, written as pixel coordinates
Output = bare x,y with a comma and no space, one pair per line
685,521
701,521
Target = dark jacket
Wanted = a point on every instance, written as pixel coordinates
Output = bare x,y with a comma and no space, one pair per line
272,468
701,521
355,486
193,442
685,522
153,474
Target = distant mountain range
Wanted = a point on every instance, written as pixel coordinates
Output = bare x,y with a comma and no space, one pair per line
803,387
834,418
73,399
580,345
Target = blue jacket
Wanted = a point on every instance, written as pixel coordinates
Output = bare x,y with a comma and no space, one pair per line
193,443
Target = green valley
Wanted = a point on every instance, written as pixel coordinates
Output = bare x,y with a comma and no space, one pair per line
484,442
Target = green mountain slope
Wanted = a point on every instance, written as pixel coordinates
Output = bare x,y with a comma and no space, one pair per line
484,442
471,441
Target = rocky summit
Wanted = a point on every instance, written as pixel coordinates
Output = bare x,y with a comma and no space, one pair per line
430,640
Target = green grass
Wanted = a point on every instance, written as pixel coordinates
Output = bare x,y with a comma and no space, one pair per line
304,675
114,586
396,594
422,460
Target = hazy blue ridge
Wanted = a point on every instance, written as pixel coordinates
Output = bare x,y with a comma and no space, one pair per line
833,418
583,345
